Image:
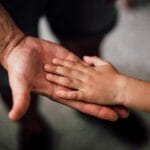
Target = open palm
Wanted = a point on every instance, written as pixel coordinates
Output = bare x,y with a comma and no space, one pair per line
25,69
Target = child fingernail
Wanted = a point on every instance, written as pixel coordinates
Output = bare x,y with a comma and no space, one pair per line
49,76
46,66
59,93
54,60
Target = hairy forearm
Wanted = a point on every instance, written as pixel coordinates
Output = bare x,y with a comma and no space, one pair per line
136,94
10,35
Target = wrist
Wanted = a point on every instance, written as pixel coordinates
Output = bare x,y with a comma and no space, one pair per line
122,84
11,40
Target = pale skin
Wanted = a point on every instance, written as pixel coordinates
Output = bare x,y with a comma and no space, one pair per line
100,83
24,57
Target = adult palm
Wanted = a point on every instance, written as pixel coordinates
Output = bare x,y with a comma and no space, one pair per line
26,74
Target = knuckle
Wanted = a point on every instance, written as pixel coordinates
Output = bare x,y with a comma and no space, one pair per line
70,82
71,64
66,63
57,69
55,77
73,73
62,70
63,81
54,69
63,62
88,78
75,96
75,64
70,95
68,72
76,74
80,96
88,69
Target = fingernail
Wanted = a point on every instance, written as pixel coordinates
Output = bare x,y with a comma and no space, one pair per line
86,56
48,76
59,93
124,116
46,66
55,60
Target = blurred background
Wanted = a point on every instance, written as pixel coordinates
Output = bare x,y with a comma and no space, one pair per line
127,46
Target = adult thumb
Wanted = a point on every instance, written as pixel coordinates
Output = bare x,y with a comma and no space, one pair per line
21,97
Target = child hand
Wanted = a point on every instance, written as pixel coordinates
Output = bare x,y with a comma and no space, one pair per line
98,83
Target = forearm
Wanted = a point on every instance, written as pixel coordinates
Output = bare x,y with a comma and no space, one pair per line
136,94
10,35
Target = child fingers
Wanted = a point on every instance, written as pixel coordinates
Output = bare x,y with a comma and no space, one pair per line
64,71
67,82
76,95
70,64
99,111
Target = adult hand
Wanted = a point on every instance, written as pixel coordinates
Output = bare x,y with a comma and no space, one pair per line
24,64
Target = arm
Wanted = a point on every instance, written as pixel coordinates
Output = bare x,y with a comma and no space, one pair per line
136,94
100,84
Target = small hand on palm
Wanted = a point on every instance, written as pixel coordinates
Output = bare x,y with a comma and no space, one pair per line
25,69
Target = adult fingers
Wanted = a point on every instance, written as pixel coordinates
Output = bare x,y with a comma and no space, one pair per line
122,111
99,111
